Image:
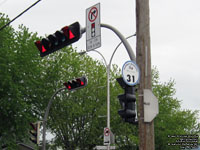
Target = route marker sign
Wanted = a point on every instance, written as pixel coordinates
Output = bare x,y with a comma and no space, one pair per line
130,73
93,27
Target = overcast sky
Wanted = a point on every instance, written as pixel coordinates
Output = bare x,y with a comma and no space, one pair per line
174,25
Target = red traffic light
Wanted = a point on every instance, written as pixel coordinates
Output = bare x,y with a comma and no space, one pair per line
68,33
66,36
40,47
76,83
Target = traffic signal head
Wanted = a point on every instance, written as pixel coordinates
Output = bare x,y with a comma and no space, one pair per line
35,127
127,101
66,36
76,83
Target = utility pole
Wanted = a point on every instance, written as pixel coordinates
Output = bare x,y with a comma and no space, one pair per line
143,55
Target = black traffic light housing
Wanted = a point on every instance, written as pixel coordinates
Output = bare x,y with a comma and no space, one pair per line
128,102
66,36
76,83
35,132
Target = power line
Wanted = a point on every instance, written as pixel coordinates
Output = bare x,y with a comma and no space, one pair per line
19,15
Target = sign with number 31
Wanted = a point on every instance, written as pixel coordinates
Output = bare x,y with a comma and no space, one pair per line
130,73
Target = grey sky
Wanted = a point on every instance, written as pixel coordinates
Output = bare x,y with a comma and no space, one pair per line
174,34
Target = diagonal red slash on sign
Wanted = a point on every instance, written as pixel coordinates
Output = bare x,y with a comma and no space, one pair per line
93,13
106,131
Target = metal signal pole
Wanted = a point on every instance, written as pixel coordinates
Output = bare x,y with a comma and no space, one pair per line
143,55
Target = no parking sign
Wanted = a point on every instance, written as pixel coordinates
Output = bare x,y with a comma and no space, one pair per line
93,27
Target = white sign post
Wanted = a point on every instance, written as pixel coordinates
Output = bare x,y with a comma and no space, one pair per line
93,27
130,73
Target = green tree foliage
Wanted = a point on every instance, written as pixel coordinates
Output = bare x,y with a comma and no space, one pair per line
73,116
27,83
76,117
19,78
171,120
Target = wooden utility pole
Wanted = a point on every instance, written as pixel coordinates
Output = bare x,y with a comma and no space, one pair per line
143,55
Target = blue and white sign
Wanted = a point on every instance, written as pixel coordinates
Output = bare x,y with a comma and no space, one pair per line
130,73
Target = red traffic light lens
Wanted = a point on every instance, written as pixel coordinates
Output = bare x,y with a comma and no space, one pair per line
82,83
46,43
40,46
68,33
69,87
71,35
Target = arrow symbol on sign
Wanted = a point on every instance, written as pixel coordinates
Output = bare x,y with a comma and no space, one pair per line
93,14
